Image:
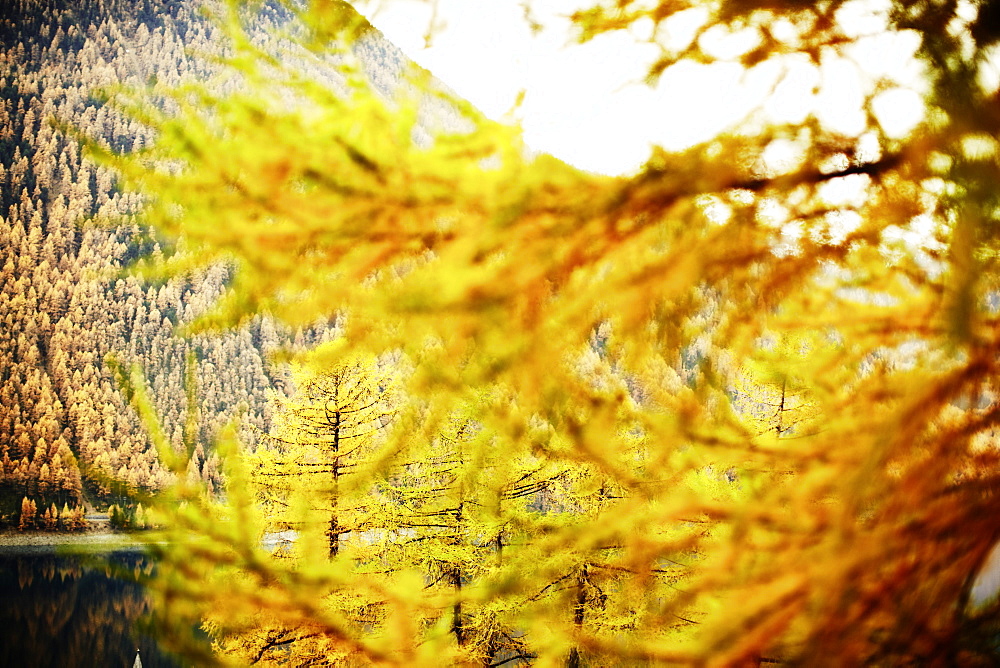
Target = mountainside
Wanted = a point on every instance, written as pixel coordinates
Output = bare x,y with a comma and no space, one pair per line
66,234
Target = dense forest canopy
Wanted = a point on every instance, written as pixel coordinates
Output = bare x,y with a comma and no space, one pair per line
715,412
67,436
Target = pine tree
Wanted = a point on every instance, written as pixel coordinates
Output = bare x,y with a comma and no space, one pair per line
66,522
50,519
29,510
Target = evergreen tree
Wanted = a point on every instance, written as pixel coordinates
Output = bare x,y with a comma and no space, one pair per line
29,510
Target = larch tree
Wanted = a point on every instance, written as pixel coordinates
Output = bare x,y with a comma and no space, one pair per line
331,425
459,508
490,268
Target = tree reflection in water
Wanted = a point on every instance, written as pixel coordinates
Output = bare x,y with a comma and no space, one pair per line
75,610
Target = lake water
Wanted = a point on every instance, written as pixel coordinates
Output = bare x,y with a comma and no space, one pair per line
59,609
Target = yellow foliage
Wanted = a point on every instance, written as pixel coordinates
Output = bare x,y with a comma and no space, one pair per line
650,436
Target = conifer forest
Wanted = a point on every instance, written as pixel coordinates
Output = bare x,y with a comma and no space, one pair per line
384,385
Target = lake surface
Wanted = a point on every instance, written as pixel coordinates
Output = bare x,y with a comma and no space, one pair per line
83,609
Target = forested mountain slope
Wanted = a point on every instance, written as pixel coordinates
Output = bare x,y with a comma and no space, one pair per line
65,236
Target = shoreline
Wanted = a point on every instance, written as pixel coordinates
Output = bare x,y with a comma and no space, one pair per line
92,536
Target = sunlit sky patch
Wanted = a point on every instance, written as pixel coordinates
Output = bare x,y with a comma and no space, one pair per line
588,104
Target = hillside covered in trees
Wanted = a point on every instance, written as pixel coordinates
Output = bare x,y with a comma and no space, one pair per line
66,233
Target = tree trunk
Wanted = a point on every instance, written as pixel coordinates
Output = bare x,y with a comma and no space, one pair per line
456,611
573,661
333,533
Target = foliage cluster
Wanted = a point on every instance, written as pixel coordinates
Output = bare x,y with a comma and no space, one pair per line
51,518
128,517
713,412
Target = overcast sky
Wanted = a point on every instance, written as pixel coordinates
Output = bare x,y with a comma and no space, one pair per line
587,104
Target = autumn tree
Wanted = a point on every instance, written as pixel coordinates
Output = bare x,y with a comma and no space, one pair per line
330,426
490,268
460,508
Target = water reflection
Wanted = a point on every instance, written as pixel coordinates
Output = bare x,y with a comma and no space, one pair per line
74,610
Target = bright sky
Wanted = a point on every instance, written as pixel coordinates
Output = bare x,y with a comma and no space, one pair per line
588,105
